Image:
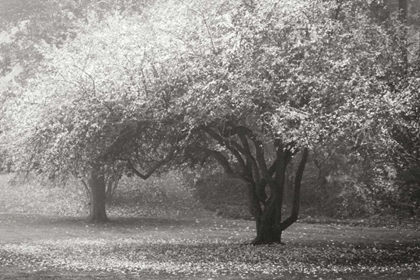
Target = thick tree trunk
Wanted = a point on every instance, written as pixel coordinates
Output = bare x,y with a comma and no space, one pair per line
264,180
97,187
267,225
269,222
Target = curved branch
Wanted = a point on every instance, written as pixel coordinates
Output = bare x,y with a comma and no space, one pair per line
296,194
250,159
259,150
228,145
159,164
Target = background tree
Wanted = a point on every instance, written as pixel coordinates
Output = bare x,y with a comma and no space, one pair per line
88,109
402,74
25,24
368,182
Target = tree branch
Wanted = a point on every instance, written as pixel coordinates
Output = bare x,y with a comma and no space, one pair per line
209,32
259,150
297,190
159,164
246,151
227,144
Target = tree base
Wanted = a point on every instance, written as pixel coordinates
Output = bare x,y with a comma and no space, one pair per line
260,241
98,219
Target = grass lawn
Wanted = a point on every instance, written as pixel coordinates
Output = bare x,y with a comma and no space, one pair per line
199,246
194,244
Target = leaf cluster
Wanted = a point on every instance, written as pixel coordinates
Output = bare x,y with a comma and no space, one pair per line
137,88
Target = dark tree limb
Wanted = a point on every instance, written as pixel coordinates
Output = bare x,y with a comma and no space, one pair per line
259,150
220,158
159,164
230,145
297,189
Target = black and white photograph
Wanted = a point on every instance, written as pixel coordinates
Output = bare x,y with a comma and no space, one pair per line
210,139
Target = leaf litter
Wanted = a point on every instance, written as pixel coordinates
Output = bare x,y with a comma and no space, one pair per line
207,257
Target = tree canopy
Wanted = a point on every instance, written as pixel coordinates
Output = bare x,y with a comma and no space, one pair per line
26,24
250,84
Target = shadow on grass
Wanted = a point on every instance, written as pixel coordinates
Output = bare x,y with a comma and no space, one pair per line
147,221
41,220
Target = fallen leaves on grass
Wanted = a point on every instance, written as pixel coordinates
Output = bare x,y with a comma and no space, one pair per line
207,257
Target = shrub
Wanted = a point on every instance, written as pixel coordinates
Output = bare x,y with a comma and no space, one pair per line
224,195
160,195
21,194
163,195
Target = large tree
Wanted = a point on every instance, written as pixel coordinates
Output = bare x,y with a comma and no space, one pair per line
299,74
249,84
268,81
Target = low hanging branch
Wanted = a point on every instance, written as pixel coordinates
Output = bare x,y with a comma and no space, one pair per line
159,164
236,149
225,143
220,158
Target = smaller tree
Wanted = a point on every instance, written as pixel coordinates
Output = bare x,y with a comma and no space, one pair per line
88,112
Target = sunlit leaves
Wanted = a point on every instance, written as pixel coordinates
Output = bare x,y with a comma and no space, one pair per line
284,69
206,257
83,96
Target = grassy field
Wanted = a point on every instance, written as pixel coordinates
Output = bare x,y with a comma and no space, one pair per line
185,242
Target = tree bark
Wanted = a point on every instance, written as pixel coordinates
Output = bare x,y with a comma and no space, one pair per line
297,190
402,15
266,185
269,221
97,187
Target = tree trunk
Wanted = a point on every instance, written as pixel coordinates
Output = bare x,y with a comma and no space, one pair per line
97,186
288,187
264,180
269,221
267,224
